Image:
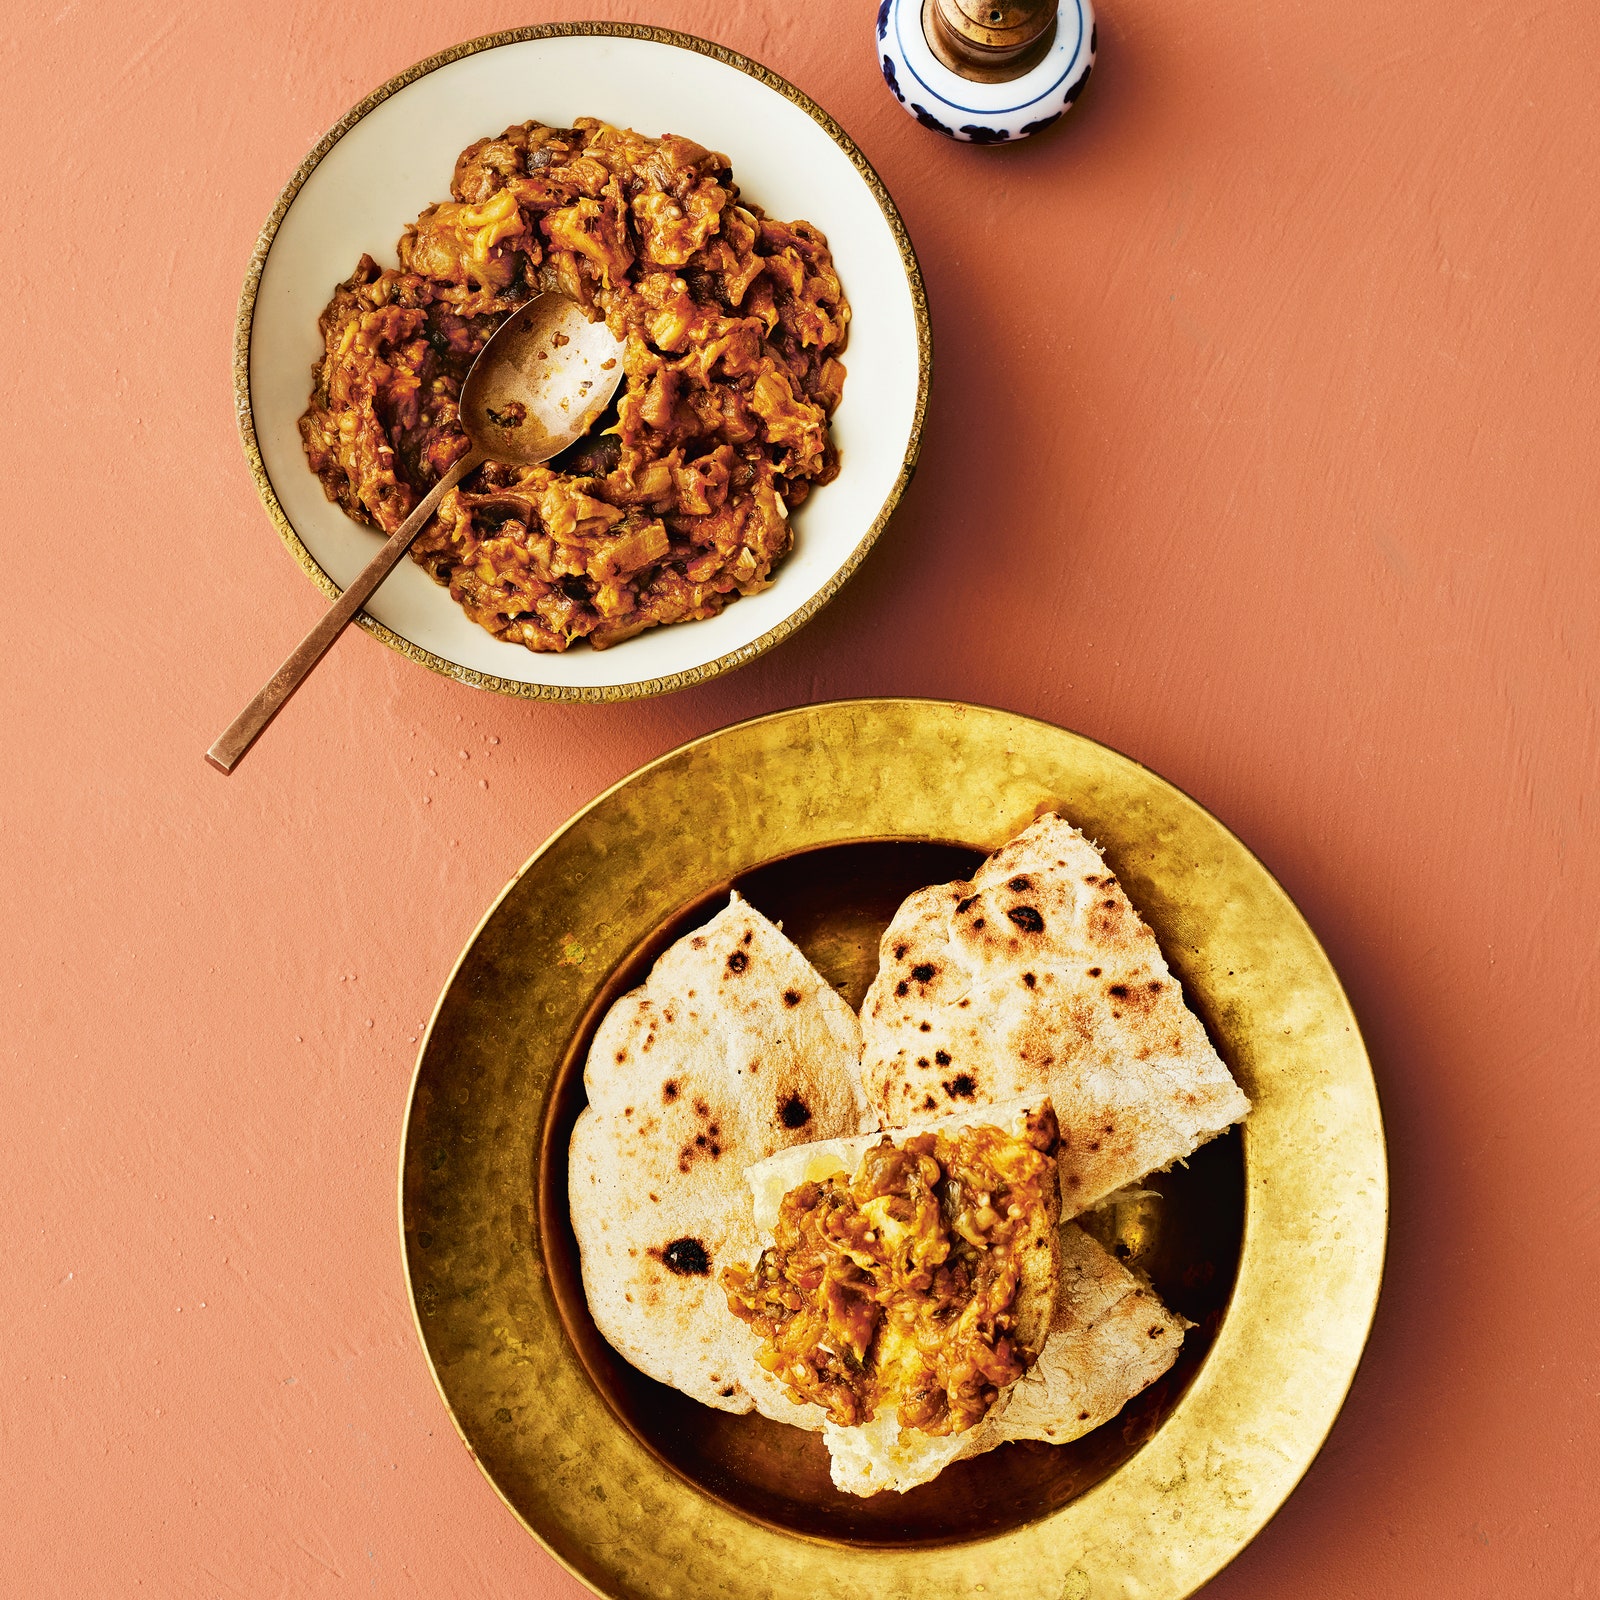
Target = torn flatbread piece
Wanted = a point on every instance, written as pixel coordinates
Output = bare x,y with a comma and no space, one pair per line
1110,1338
734,1048
1038,976
907,1279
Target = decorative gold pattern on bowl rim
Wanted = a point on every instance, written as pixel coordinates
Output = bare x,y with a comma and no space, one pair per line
542,691
1315,1210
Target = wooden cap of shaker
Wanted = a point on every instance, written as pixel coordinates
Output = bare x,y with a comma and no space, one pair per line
989,41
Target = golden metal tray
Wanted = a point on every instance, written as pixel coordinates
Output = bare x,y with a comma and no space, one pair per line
1270,1240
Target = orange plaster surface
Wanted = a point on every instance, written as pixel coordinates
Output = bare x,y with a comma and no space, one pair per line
1264,445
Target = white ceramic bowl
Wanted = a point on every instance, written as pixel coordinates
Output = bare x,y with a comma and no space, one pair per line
394,154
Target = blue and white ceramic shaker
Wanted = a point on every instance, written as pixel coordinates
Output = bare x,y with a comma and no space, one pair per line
986,71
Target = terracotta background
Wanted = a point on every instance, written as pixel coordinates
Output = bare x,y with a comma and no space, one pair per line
1264,445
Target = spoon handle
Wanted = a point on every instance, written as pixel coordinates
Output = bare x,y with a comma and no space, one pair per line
249,725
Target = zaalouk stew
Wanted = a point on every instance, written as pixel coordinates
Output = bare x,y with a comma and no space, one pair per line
733,323
897,1285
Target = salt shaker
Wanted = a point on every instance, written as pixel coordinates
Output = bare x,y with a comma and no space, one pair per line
986,71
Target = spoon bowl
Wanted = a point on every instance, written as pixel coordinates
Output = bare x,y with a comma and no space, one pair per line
540,383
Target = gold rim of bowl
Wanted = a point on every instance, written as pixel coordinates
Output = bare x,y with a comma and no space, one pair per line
541,691
1316,1183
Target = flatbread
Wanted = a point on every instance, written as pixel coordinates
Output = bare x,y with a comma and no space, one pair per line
879,1454
734,1047
1110,1338
772,1179
1038,976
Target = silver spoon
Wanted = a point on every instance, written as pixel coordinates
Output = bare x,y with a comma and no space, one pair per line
536,387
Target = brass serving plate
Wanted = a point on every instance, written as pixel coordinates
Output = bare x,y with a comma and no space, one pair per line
1271,1240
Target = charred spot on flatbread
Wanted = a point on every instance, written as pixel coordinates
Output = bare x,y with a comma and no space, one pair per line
738,961
669,1091
791,997
686,1257
1026,918
705,1145
924,972
961,1087
1105,920
794,1112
